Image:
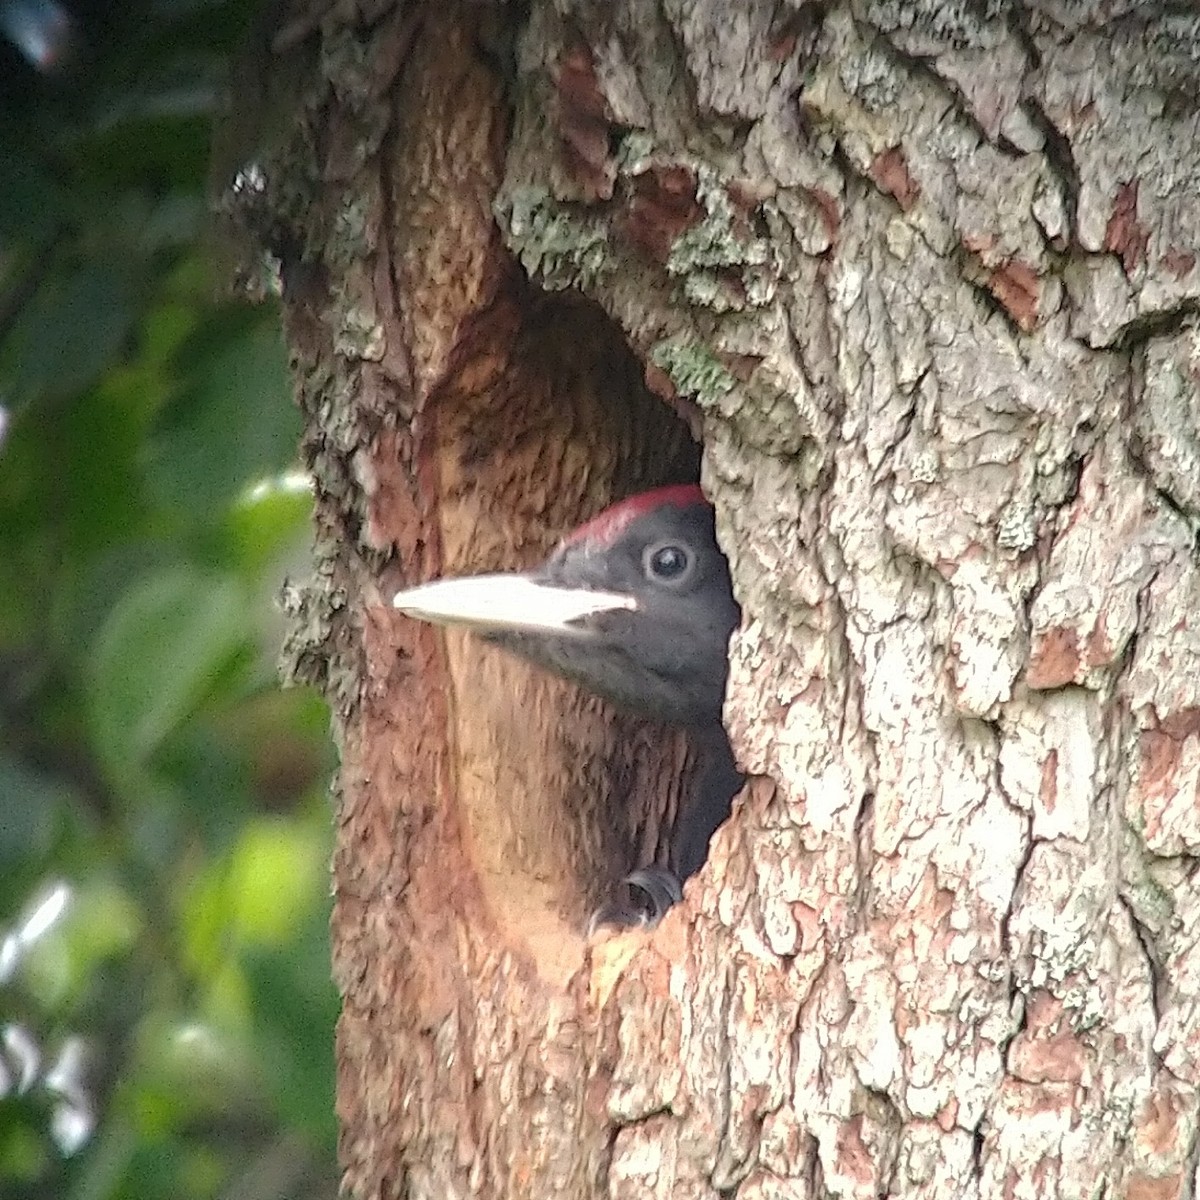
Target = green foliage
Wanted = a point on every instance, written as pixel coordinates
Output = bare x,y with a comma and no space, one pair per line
166,1013
166,644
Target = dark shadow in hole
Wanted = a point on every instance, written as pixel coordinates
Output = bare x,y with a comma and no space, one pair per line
560,793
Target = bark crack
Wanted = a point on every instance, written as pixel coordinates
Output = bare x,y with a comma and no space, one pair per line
1154,967
923,68
1161,323
977,1148
1191,1165
1060,158
1015,990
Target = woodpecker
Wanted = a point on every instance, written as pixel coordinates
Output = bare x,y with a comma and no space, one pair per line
637,606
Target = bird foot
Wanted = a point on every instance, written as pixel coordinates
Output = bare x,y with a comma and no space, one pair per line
642,900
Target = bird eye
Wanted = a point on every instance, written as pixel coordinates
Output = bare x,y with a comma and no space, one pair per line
668,562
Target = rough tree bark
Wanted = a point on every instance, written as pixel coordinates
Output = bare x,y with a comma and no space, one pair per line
925,278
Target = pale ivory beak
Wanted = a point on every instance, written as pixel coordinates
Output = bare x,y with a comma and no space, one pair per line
513,603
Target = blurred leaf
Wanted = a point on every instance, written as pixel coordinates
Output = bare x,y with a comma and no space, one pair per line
24,1152
269,518
83,601
209,772
226,1000
276,878
164,644
30,203
99,441
30,809
235,424
152,136
106,1160
101,921
295,1009
204,922
147,515
73,329
189,1068
264,893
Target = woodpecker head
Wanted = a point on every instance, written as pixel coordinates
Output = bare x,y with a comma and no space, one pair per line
636,606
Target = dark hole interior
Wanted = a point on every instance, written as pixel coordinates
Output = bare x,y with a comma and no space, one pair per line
542,427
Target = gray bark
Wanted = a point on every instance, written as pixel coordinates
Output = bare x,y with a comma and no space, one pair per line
926,277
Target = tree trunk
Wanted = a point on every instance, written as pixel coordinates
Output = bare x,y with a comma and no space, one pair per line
924,280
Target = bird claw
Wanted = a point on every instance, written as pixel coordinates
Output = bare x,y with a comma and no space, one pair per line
661,889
